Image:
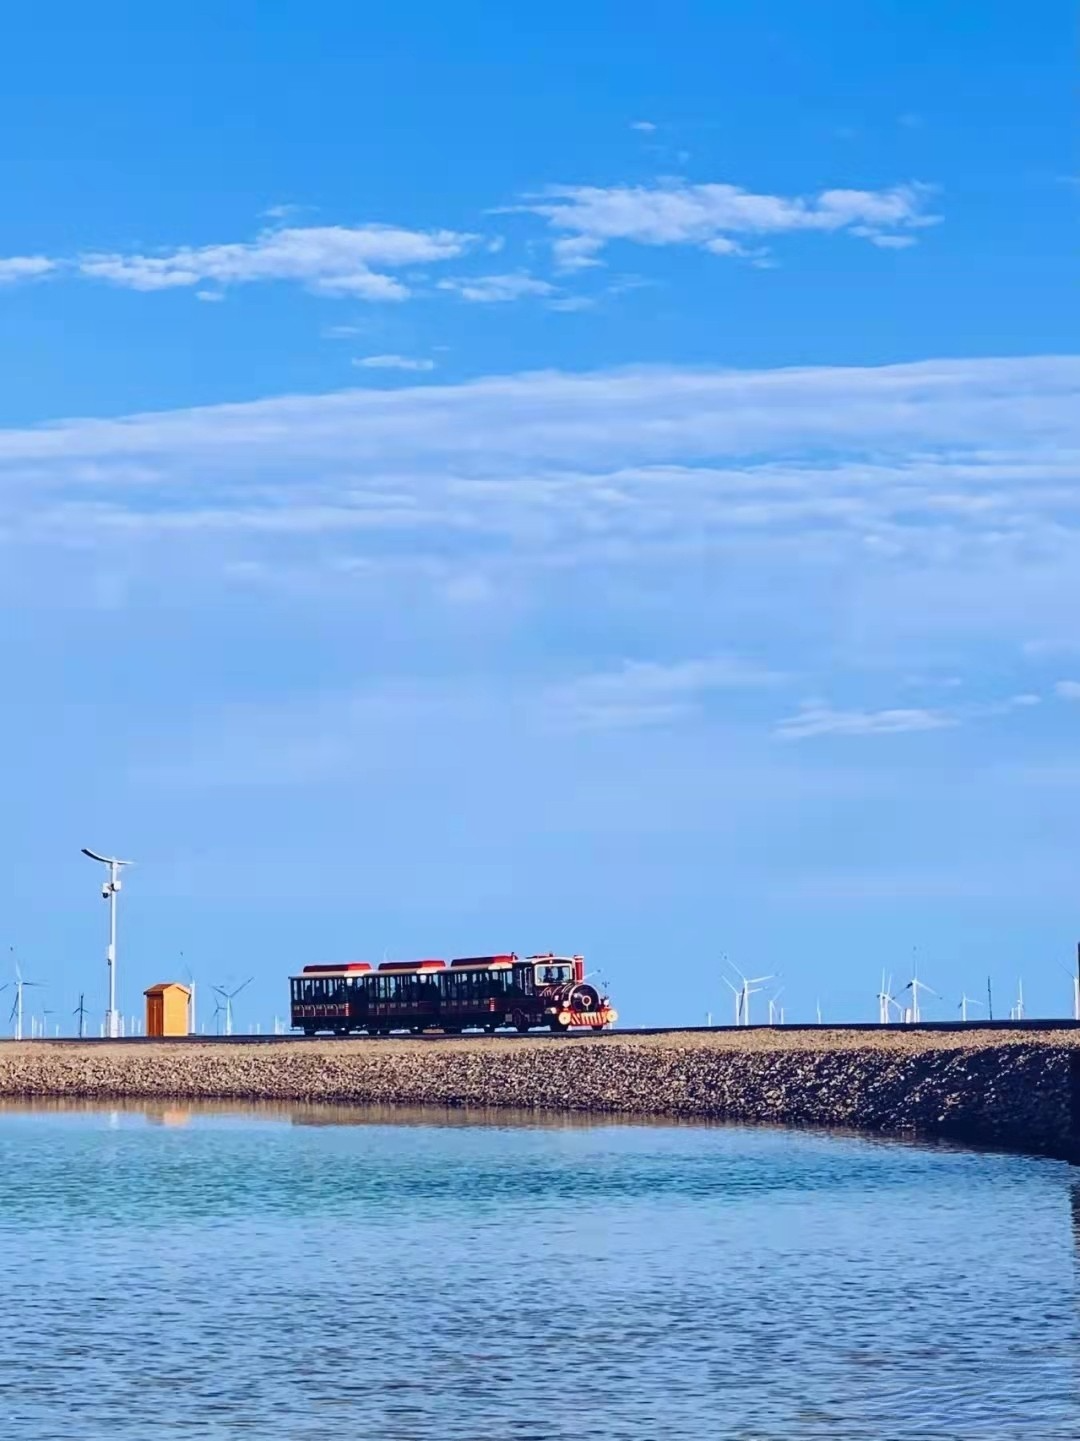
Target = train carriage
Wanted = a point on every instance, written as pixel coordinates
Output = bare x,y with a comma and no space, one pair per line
471,993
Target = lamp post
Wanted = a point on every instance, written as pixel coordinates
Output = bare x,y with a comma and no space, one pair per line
109,892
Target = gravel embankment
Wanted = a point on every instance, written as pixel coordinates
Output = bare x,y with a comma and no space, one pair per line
1006,1087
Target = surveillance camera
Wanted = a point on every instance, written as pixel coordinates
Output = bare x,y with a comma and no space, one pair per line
105,891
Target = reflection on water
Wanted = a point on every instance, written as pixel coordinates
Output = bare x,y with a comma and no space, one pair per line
296,1272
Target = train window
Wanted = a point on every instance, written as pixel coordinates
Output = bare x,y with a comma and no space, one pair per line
553,975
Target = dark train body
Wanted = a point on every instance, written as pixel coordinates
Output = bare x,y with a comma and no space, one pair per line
471,993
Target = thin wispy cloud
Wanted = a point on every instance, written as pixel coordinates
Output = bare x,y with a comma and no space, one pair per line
814,719
17,268
393,362
935,461
936,502
1067,689
720,218
817,718
645,693
498,289
332,260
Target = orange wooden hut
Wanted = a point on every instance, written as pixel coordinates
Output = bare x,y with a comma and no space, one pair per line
168,1009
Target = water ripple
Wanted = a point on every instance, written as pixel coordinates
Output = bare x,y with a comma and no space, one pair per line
226,1276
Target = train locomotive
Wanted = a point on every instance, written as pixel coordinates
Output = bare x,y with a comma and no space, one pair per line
471,993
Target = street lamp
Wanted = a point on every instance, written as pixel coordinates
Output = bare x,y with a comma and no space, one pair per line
109,890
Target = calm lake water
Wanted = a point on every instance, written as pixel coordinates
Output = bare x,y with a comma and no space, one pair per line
170,1273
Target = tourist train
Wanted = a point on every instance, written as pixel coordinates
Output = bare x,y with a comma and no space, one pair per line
471,993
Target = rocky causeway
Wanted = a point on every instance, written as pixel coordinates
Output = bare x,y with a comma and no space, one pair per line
1010,1087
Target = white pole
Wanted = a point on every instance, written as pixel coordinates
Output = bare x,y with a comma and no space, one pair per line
18,1008
112,1020
191,1009
1076,998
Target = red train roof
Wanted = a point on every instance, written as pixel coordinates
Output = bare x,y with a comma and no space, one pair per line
412,965
483,960
337,967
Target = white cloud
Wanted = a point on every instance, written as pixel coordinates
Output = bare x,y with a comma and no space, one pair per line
925,501
816,719
329,259
645,126
15,268
393,362
1068,689
571,304
642,693
711,216
577,252
497,289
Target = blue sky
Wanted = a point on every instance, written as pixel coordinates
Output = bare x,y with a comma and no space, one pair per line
579,479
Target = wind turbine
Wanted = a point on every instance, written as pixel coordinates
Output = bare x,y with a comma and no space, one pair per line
772,1007
1017,1012
915,986
965,1001
737,993
191,998
17,1004
885,1000
109,891
751,985
228,997
80,1011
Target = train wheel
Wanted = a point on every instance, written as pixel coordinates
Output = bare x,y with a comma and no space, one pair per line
558,1026
309,1030
522,1027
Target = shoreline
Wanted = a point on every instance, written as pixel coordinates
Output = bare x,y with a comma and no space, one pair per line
1014,1088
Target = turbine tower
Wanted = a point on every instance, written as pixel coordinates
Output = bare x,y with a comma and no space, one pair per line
109,891
965,1001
